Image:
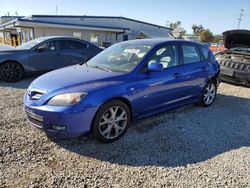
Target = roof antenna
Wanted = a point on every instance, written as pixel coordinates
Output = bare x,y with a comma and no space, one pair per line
56,10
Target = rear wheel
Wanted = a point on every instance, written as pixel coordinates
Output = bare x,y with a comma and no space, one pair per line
11,72
209,94
111,121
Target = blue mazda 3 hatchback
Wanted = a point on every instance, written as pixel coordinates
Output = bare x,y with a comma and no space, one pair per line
128,80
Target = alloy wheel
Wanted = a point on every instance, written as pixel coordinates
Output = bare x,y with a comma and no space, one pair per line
209,93
113,122
11,72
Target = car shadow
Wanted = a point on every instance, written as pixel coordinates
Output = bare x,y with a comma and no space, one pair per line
22,84
235,84
179,137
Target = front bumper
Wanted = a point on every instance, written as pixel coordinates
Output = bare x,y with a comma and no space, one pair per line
241,77
74,121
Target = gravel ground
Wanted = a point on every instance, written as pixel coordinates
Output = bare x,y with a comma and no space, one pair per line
188,147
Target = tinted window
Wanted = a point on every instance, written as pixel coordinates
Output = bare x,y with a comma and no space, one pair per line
167,56
205,53
71,44
44,46
55,45
190,54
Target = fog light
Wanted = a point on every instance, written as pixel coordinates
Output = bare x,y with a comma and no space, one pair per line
59,127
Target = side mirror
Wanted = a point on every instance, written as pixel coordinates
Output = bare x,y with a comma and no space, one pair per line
155,67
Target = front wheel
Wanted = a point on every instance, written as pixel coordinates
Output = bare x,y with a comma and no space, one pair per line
11,72
209,94
111,121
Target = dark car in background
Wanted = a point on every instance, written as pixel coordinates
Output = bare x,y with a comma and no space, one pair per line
42,55
235,61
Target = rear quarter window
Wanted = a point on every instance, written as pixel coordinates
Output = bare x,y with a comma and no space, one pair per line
205,52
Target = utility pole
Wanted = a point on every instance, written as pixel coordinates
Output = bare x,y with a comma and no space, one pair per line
240,18
56,9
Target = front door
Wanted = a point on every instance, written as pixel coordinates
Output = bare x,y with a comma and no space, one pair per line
159,91
45,57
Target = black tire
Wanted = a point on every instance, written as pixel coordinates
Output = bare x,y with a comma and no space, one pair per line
105,111
203,101
11,72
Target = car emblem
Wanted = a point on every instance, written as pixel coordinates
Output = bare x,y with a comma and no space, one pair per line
29,92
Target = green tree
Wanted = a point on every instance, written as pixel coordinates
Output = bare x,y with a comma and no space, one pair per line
206,36
197,29
217,38
174,25
177,30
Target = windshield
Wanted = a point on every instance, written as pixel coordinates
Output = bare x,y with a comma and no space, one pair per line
30,44
121,57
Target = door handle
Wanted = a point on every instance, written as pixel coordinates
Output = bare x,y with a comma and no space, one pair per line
204,69
177,75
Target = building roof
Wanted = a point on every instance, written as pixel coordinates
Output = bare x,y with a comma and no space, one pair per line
23,21
103,17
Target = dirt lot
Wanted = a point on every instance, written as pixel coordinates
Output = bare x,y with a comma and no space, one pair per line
188,147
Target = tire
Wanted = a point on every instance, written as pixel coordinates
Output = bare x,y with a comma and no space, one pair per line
111,121
11,72
208,94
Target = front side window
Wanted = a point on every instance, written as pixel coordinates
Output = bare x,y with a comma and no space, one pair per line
53,46
167,56
190,54
121,57
44,46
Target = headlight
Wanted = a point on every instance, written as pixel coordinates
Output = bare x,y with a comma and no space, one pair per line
66,99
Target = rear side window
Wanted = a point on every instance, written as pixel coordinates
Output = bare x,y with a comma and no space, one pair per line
205,53
190,54
72,45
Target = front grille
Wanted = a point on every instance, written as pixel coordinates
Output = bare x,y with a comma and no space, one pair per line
35,94
34,118
234,65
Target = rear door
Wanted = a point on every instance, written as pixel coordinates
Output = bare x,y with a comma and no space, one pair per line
195,69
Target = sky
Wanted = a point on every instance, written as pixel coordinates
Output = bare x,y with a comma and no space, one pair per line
216,15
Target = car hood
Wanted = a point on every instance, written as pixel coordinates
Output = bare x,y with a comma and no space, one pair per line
6,47
75,78
236,38
11,51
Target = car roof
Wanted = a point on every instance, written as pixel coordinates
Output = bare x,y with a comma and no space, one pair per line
56,37
157,41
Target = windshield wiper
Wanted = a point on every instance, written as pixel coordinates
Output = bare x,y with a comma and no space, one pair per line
102,68
85,61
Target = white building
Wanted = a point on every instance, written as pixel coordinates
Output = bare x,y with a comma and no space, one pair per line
102,30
